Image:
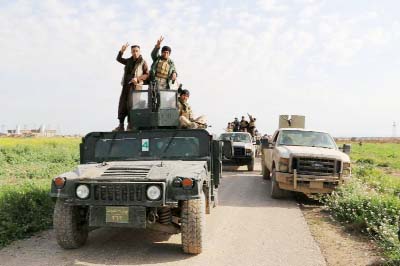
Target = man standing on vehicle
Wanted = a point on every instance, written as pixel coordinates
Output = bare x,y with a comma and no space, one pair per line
162,70
136,72
252,125
243,125
236,125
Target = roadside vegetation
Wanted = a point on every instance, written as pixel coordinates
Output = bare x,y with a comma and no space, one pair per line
26,168
370,202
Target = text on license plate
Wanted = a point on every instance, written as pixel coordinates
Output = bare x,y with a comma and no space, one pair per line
117,214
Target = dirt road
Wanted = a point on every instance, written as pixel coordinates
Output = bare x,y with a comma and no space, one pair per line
248,228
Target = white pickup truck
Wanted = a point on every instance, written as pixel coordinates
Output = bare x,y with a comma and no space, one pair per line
243,149
304,161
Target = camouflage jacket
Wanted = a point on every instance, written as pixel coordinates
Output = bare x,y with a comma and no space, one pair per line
185,110
156,59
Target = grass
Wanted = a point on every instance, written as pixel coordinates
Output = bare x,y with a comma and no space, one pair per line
370,201
26,168
379,154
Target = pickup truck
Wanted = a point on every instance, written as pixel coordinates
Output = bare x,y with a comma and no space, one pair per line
243,149
305,161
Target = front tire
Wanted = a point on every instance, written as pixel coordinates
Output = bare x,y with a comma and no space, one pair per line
250,165
193,225
276,192
70,225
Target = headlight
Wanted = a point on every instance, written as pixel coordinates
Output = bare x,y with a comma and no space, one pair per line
346,169
284,165
82,191
153,192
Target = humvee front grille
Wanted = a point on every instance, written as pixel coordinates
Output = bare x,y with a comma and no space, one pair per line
126,172
119,193
315,166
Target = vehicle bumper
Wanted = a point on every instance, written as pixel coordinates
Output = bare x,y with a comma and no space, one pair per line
238,161
309,184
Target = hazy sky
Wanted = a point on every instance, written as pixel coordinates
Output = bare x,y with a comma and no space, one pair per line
336,61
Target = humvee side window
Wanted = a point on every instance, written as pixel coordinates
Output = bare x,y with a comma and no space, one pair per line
140,100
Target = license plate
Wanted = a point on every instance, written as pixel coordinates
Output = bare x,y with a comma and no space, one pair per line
117,215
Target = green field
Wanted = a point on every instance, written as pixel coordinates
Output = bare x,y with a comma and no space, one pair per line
370,202
26,168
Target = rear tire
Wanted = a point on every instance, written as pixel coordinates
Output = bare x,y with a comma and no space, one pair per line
193,225
70,225
276,192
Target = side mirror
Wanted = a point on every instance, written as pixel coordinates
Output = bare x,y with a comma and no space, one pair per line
227,148
346,148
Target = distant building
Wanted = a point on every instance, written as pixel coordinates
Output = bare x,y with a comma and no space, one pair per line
41,132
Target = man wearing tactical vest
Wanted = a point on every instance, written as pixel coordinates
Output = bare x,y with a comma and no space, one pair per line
163,69
243,124
136,72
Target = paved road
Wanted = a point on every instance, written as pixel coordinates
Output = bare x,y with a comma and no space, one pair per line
248,228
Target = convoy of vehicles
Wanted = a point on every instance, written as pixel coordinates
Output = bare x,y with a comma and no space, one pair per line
165,178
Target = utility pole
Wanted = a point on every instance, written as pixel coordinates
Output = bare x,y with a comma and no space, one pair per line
394,130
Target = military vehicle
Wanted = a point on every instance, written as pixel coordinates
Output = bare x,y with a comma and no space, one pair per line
158,177
244,150
301,160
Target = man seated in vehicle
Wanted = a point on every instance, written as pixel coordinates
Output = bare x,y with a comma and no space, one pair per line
186,119
162,70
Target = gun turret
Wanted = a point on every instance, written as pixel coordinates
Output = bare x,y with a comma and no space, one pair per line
154,108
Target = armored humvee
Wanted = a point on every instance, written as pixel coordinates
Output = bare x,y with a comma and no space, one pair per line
157,177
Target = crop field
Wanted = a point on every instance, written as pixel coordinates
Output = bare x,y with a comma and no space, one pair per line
370,203
26,168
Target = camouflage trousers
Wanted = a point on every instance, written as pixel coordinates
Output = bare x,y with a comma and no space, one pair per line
199,122
162,83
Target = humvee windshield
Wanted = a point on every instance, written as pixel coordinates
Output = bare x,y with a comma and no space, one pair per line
183,144
306,138
236,137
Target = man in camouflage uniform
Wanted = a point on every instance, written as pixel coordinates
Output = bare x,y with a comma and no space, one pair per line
243,125
162,70
252,125
229,128
135,73
186,119
236,125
